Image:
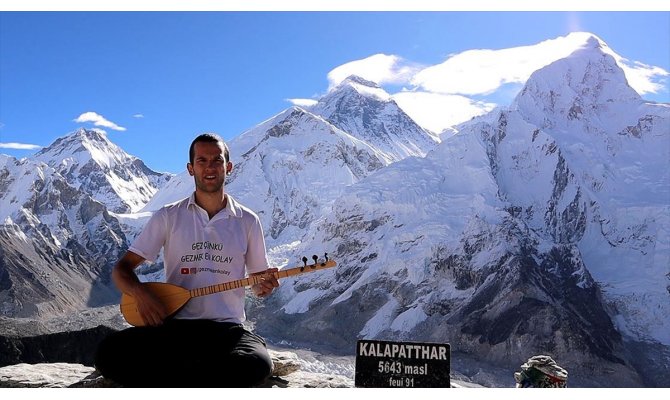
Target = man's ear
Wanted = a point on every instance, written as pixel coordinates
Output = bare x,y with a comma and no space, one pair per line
189,167
229,168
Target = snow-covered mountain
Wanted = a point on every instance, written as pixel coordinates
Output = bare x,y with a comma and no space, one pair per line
283,176
615,152
57,243
88,160
542,227
59,239
365,111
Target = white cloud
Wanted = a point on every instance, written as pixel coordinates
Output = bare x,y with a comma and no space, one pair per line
138,116
643,78
98,120
19,146
302,102
437,112
481,72
379,68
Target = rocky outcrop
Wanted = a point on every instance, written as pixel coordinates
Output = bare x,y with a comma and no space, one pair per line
56,375
286,374
65,359
68,347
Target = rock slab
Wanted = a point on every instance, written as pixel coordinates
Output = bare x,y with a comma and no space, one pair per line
285,374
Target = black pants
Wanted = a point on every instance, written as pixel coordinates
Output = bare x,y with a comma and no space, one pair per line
184,353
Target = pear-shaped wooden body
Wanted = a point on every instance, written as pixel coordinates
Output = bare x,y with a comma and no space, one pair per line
172,296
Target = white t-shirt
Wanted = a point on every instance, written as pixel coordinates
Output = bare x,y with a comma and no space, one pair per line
200,252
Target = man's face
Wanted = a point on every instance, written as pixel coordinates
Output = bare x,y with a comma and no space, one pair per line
209,167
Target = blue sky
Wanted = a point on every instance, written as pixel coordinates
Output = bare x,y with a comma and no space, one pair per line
163,77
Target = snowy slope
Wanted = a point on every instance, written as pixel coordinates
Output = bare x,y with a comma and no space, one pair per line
298,168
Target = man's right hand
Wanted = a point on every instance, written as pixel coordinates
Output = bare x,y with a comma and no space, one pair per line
151,310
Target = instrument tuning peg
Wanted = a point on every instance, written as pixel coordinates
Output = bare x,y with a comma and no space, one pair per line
304,260
316,259
325,255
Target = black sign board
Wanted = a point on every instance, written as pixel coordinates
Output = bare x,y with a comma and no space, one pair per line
381,364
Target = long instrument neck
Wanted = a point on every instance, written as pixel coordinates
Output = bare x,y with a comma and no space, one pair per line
249,281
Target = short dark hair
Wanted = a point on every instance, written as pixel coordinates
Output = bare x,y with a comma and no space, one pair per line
208,138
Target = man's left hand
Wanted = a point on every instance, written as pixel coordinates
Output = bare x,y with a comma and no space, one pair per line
265,287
